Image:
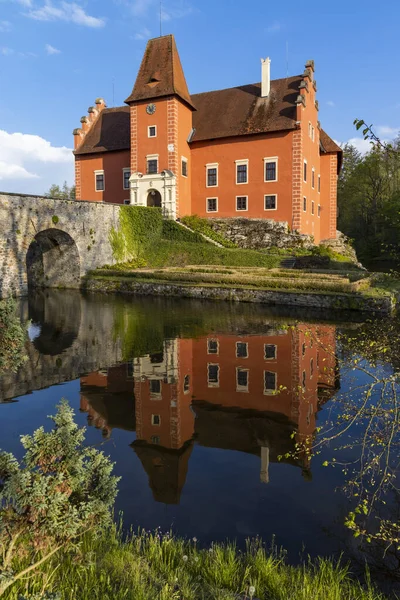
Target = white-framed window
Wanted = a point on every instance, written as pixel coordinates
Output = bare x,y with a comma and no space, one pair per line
99,181
212,346
152,131
184,164
152,164
213,375
242,171
271,202
319,210
270,382
305,170
186,384
242,350
211,205
212,175
127,201
312,206
319,184
271,168
242,379
241,203
156,420
126,173
304,204
313,178
155,439
270,351
155,388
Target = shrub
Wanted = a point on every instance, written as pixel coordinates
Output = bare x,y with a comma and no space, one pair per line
139,228
12,337
202,226
59,491
171,230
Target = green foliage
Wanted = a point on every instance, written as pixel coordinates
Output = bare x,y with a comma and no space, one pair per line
140,227
60,490
63,193
171,230
202,226
12,338
156,566
55,219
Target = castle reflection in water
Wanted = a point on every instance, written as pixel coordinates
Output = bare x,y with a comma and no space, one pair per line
258,394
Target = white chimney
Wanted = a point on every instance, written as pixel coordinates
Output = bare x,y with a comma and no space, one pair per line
265,77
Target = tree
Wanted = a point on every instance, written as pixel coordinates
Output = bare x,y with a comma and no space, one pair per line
64,193
58,492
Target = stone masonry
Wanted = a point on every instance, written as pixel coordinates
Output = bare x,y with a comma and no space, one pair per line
61,239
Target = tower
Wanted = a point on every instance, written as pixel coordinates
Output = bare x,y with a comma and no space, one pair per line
160,128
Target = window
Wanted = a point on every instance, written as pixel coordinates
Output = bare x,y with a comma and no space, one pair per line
270,202
242,350
213,375
313,178
126,175
312,133
212,204
319,210
212,175
155,420
242,380
311,367
317,360
303,349
155,439
212,347
312,207
241,202
270,351
319,184
305,204
152,166
309,129
304,379
305,171
127,201
155,387
186,384
184,167
241,171
269,382
129,370
270,169
156,358
152,131
99,181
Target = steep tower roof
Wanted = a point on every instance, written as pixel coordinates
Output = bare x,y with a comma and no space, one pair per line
160,73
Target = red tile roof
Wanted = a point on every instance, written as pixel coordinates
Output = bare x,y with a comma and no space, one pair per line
328,145
160,73
111,131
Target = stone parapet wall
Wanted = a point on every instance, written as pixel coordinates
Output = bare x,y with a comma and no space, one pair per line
260,233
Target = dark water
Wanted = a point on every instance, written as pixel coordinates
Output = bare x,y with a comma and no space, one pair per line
195,402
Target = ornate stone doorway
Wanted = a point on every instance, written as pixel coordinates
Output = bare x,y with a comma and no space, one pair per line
154,198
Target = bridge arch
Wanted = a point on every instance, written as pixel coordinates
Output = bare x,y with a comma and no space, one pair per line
53,260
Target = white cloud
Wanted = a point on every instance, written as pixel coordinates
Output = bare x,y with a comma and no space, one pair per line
65,11
331,103
51,50
390,132
274,27
142,8
5,26
360,144
26,3
30,164
144,34
6,51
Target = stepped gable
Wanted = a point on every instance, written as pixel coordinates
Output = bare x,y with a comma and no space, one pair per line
160,73
110,132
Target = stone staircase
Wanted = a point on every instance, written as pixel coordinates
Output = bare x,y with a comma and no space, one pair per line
209,240
288,263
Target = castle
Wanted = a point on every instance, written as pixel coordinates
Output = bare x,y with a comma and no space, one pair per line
255,151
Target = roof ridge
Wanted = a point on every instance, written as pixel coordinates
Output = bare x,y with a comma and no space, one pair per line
235,87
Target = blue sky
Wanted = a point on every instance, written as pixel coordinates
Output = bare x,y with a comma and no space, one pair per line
57,56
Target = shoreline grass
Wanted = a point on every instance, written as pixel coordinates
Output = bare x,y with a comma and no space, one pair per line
153,566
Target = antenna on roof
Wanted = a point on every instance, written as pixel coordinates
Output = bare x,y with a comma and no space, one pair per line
160,18
287,59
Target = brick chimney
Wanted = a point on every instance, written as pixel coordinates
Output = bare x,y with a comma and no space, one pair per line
265,77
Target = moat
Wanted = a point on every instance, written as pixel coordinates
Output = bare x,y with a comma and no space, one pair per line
201,407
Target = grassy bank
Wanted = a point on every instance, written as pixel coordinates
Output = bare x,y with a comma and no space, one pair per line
155,567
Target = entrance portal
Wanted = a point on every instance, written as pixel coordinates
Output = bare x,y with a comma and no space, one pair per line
154,198
53,260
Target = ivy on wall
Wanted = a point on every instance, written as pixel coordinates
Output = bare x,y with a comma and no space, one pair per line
139,228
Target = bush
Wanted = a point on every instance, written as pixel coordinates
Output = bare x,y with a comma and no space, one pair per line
139,228
202,226
12,337
171,230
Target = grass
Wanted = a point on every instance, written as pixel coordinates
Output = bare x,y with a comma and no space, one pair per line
171,230
151,566
202,226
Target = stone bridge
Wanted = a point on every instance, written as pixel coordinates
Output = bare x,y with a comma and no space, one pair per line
47,242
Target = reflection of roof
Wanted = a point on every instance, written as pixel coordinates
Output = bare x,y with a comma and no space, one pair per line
166,469
243,430
117,409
